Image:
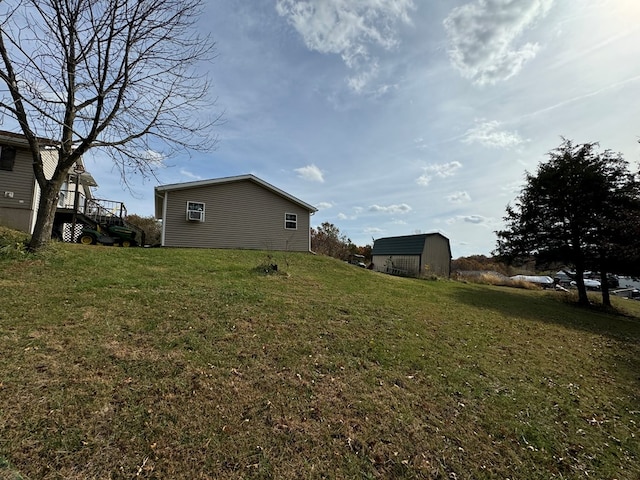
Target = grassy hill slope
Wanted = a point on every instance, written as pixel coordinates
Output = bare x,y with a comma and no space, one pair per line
176,363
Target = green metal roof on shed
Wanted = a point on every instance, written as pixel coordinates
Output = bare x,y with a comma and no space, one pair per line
404,245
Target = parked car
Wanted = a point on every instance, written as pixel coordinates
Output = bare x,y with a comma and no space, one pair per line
355,259
561,278
591,279
589,283
613,281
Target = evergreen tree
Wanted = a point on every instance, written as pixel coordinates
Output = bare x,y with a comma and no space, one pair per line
582,208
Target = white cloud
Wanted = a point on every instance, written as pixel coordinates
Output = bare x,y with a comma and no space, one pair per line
344,216
373,230
424,180
486,222
324,205
310,173
474,219
362,78
155,158
188,174
488,134
348,29
441,170
401,208
459,197
482,36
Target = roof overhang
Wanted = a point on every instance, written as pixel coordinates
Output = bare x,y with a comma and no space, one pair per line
161,190
87,180
18,139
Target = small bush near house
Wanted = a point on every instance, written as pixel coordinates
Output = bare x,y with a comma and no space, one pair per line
13,244
273,264
151,227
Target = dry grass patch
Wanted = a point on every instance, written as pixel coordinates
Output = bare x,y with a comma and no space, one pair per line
496,279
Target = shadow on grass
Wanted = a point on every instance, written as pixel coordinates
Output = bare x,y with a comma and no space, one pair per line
621,332
552,307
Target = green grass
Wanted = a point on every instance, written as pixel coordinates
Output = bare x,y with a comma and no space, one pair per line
175,363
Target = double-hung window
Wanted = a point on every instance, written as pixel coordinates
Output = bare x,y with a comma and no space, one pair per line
195,211
7,157
291,221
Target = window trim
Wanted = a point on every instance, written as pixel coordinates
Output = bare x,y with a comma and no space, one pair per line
293,221
192,206
7,158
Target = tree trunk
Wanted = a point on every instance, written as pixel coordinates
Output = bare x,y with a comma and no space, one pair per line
604,286
44,220
583,299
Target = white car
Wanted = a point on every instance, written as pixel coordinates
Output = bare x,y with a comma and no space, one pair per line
589,283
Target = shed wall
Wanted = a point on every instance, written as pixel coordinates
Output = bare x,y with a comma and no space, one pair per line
237,215
397,264
436,258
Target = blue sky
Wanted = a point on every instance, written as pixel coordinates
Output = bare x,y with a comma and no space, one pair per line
394,117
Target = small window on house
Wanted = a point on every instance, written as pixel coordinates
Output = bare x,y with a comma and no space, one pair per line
195,211
290,221
7,158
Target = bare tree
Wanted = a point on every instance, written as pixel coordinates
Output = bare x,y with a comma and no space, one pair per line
119,75
327,240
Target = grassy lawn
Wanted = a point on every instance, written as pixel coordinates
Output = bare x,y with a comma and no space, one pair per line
176,363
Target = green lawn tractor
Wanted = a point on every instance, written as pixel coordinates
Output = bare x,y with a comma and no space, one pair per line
109,235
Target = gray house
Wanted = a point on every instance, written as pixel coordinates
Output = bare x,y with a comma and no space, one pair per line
233,212
413,255
19,190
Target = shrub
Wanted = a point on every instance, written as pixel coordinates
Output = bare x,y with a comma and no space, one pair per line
13,244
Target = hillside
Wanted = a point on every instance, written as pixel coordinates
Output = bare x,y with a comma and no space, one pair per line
175,363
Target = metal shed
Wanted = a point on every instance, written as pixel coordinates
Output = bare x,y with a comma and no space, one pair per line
413,255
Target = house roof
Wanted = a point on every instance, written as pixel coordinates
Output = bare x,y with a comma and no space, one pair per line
18,139
161,189
13,138
404,245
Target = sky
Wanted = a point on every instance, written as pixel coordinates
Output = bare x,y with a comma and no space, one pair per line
395,117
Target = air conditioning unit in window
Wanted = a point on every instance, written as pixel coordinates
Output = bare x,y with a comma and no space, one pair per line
195,216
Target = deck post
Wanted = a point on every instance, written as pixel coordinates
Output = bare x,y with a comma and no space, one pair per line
77,169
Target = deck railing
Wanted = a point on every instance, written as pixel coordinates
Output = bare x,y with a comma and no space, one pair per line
99,210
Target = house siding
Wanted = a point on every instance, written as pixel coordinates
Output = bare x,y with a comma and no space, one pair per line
17,212
239,214
49,163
